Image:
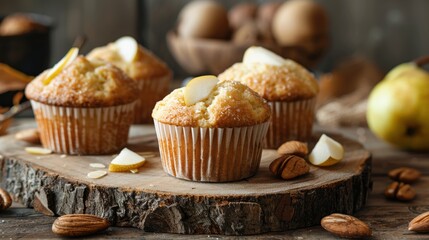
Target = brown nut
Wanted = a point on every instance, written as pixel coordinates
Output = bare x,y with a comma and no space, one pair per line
345,226
405,174
247,33
267,10
400,191
28,135
73,225
293,147
420,223
5,199
289,167
242,13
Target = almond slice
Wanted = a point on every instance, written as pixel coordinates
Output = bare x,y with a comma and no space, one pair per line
97,165
38,150
97,174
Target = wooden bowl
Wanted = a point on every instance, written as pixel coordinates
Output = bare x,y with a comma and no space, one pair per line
212,56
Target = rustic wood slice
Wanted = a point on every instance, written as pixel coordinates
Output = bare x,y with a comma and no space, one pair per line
155,202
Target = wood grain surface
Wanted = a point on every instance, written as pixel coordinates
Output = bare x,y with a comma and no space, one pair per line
155,202
387,219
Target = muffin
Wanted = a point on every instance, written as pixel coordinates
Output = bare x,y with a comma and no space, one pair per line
150,73
217,139
87,108
289,89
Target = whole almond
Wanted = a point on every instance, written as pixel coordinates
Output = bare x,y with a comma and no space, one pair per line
73,225
345,226
293,147
420,223
405,174
5,199
28,135
289,167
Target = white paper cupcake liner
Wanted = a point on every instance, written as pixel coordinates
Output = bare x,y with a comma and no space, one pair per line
290,121
210,154
150,91
83,130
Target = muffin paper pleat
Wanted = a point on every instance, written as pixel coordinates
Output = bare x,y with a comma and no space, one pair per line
210,154
150,91
83,130
290,121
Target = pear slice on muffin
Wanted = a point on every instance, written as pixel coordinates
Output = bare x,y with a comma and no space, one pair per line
199,88
66,60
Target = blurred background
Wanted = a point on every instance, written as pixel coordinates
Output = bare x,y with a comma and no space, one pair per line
388,32
365,39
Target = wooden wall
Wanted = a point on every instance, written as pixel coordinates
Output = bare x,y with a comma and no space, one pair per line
100,20
387,31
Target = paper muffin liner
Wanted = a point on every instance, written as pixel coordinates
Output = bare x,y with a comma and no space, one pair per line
290,121
150,91
83,131
210,154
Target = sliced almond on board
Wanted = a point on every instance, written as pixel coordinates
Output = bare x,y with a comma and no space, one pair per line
97,165
97,174
38,150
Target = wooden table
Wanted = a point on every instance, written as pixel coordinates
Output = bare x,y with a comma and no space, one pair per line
388,219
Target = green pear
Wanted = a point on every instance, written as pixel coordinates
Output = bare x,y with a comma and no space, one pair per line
398,107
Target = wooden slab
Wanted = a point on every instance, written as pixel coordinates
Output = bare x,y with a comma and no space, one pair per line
155,202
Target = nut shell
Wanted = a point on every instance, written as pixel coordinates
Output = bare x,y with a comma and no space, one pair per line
241,13
203,19
5,199
289,166
420,223
345,226
405,174
293,147
399,191
28,135
302,23
74,225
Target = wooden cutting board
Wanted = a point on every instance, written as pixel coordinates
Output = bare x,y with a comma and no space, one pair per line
155,202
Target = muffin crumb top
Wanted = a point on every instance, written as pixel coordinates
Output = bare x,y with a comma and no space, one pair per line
84,83
230,104
145,65
288,82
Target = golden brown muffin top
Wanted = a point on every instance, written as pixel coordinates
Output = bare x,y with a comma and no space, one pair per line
288,82
145,65
230,104
84,83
